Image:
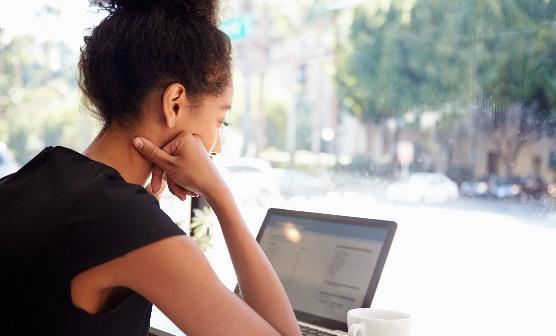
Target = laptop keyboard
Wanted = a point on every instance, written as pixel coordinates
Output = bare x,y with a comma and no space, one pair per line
310,331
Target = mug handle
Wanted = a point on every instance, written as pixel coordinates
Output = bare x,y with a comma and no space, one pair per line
354,329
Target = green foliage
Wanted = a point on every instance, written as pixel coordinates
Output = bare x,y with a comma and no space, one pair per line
524,67
396,64
303,129
447,53
276,121
368,77
201,226
39,98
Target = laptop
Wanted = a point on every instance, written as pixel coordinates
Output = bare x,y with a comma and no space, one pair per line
328,264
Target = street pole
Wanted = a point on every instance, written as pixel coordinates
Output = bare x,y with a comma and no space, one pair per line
264,46
246,122
292,124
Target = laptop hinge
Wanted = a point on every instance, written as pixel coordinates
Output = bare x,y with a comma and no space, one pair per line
337,332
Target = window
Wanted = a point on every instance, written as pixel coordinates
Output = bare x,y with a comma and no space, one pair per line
439,115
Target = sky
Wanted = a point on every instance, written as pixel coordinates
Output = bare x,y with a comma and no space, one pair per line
20,18
75,17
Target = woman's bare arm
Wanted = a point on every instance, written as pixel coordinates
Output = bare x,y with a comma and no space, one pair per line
260,287
174,275
186,164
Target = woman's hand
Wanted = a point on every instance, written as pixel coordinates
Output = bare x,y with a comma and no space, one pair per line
186,163
178,191
161,189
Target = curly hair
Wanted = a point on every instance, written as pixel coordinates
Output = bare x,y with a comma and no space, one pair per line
144,45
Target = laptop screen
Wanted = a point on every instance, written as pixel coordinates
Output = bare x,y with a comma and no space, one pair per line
326,267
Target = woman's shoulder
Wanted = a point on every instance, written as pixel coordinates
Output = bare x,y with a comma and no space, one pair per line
92,184
108,217
86,197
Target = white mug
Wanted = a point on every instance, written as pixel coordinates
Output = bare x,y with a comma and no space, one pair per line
375,322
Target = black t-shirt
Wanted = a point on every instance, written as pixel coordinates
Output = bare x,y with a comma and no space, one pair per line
61,214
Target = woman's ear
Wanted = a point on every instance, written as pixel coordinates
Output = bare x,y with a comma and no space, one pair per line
174,104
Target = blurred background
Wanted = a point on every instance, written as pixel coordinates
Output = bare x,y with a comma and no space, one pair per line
440,115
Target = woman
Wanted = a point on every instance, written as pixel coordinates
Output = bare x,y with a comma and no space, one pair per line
84,248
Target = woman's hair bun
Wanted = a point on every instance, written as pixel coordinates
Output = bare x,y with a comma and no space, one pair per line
201,10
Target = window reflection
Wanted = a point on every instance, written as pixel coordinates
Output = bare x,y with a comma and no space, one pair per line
440,115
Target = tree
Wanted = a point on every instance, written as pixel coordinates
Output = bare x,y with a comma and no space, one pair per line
39,104
519,100
491,56
401,60
368,74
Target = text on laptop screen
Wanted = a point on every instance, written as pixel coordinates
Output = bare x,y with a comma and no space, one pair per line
325,267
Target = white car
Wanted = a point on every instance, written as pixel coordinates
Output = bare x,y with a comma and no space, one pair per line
429,188
295,182
8,165
249,179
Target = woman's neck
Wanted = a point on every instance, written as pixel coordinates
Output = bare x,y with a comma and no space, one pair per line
114,148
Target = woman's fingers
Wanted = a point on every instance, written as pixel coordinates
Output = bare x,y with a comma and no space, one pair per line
158,193
174,188
178,191
185,160
154,154
156,178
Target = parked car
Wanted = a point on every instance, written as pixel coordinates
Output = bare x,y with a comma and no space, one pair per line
294,182
534,187
478,188
506,188
8,165
423,187
551,190
249,179
514,187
